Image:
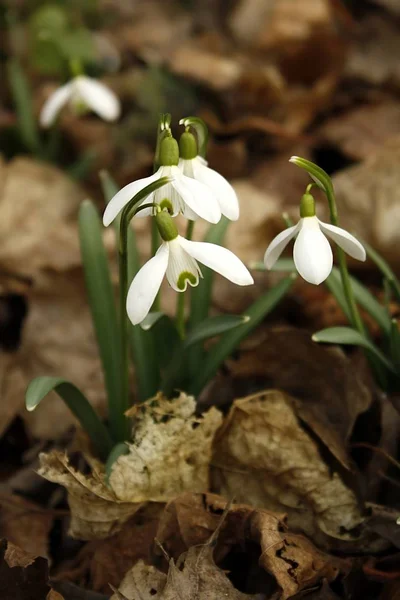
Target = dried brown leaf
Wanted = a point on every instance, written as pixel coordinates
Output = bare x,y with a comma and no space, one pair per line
263,456
22,575
25,524
362,131
170,454
292,561
104,562
367,199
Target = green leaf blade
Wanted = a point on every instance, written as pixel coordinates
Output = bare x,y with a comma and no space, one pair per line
214,326
102,303
351,337
230,340
78,405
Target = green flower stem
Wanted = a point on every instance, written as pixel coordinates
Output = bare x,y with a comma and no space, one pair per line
121,404
355,317
180,315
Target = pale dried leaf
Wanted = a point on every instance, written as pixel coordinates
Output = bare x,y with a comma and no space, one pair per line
38,225
263,456
95,510
170,452
367,196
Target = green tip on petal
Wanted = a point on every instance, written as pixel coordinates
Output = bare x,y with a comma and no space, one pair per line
183,277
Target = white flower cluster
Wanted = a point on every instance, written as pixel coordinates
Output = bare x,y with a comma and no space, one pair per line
195,191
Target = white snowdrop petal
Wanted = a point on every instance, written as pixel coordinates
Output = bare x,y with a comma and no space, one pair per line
219,259
182,268
145,285
226,195
198,197
126,194
312,253
278,245
345,240
55,103
186,166
168,197
98,97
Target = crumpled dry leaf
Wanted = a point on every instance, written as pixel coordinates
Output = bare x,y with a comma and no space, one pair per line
170,454
193,576
373,58
291,561
362,131
96,512
367,199
22,575
329,390
263,456
40,203
38,225
25,524
105,562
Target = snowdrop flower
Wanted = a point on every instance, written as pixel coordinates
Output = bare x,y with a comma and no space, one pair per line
177,259
81,92
183,195
195,166
312,252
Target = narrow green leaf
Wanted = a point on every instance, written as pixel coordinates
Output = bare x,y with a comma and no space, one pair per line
395,342
120,449
383,267
334,285
81,168
102,304
230,340
24,106
108,185
364,297
214,326
349,336
78,405
176,374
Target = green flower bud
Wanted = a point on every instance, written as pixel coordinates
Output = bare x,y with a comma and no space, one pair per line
187,146
169,152
166,226
307,206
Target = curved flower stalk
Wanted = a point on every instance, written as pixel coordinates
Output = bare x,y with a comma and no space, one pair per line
312,253
182,195
194,166
81,92
177,260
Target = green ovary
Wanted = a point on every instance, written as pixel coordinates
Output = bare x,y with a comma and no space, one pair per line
183,277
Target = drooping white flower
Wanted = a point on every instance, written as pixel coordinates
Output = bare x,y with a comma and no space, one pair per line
194,166
177,259
312,253
183,195
81,91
